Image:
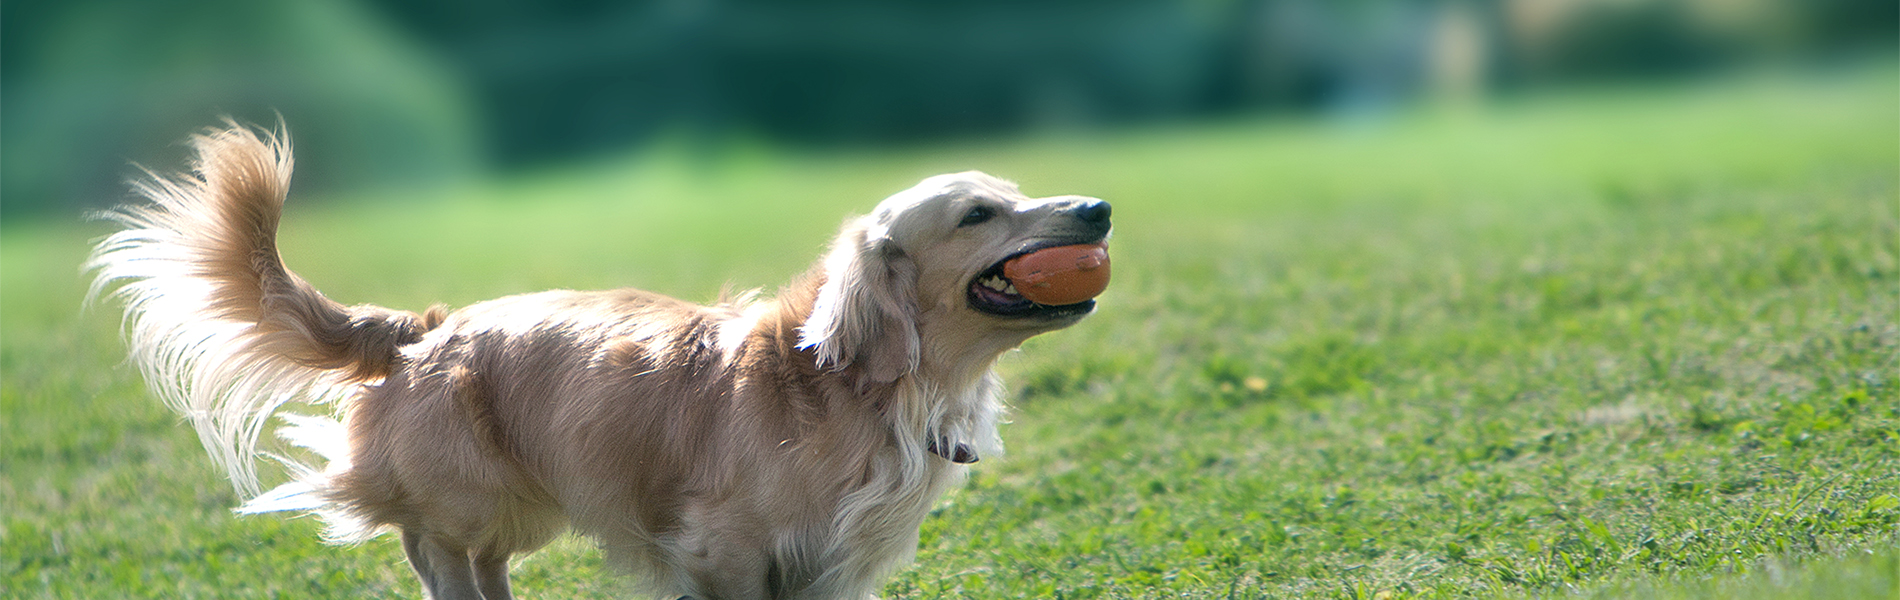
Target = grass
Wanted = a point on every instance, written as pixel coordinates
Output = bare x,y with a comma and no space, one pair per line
1614,343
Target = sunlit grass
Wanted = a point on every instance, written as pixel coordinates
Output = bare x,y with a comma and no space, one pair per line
1615,342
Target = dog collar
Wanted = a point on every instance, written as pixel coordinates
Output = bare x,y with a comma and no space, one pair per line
961,454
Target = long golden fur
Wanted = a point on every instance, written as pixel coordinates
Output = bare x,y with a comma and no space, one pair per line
762,448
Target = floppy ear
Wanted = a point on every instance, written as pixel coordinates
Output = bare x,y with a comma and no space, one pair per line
865,313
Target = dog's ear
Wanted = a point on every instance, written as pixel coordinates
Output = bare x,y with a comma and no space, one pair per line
865,313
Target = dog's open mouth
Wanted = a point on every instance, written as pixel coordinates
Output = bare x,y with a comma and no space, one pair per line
992,293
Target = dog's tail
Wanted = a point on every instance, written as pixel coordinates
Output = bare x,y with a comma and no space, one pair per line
222,331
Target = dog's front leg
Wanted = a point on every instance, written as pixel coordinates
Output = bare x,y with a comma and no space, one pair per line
722,566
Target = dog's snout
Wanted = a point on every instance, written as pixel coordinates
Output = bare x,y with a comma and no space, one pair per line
1092,213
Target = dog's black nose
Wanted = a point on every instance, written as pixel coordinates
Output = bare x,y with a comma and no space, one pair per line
1092,211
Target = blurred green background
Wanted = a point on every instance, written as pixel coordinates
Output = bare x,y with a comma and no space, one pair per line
398,93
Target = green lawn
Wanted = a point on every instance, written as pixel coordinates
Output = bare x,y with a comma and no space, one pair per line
1634,342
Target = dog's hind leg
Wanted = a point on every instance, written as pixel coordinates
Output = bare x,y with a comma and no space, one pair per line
412,548
491,575
445,570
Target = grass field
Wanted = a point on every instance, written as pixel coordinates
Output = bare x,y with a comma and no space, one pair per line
1614,343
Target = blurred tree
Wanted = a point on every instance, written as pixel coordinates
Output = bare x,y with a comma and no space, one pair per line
556,76
400,89
91,84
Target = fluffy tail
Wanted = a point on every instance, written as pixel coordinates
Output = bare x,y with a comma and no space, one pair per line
222,331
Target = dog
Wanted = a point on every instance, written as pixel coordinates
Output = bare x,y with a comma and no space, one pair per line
784,447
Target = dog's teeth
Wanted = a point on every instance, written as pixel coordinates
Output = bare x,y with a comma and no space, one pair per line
1011,290
995,283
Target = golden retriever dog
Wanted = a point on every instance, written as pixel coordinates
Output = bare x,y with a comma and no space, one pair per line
760,448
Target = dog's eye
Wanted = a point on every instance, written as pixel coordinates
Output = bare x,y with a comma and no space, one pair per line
976,215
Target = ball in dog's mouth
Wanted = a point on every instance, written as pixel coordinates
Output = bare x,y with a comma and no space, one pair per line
1053,281
1060,275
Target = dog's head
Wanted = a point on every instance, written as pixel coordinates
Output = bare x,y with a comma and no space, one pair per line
906,285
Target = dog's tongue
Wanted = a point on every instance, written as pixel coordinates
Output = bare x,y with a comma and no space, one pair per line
1060,275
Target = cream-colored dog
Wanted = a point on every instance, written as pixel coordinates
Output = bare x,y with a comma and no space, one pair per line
781,448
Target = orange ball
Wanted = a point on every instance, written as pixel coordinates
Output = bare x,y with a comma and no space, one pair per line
1060,275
